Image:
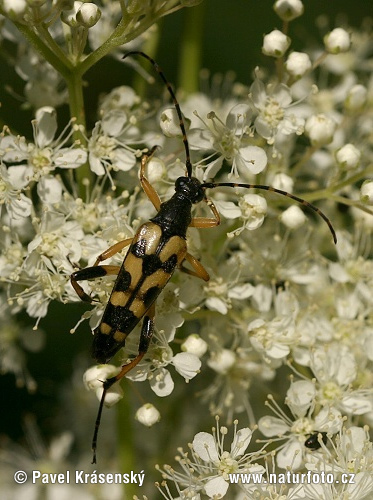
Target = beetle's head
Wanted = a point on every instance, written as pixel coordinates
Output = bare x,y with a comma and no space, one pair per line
191,188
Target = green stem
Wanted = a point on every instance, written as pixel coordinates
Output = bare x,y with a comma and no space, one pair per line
190,52
77,110
55,57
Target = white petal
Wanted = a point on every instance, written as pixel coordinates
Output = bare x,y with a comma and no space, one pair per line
241,442
162,383
290,456
241,291
70,157
96,165
272,426
113,122
47,125
49,189
357,405
254,157
216,488
186,364
300,396
124,160
205,446
228,209
20,207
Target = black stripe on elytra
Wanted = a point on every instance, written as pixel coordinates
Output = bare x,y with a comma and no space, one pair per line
169,265
123,281
139,248
120,318
150,295
151,264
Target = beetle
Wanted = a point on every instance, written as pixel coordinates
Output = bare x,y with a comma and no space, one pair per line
313,442
157,249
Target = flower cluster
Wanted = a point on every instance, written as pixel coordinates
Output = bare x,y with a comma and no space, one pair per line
285,311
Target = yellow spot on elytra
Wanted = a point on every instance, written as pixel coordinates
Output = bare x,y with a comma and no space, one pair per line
105,329
118,298
119,336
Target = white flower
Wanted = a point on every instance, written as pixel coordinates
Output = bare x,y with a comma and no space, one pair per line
148,415
275,44
15,8
273,106
297,64
366,192
274,338
229,141
356,97
107,145
46,153
348,156
88,14
320,129
208,468
335,369
194,344
295,432
12,180
293,217
337,41
288,10
94,377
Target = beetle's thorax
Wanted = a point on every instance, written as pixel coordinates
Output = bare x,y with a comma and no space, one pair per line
175,214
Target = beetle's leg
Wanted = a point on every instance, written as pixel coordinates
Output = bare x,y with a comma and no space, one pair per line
204,222
198,269
90,273
117,247
150,192
96,271
145,338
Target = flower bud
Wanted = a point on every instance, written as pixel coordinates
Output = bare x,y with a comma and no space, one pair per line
194,344
14,8
88,15
320,129
337,41
170,123
297,64
222,361
293,217
68,16
148,415
366,192
288,10
356,97
284,182
155,170
348,156
275,44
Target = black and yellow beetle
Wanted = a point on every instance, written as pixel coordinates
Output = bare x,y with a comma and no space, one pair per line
158,247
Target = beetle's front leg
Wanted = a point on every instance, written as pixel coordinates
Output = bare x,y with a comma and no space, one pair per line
96,271
205,222
90,273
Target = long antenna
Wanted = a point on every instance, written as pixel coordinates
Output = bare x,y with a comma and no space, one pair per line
156,66
212,185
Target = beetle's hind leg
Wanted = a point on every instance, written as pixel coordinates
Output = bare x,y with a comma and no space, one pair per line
96,271
147,331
